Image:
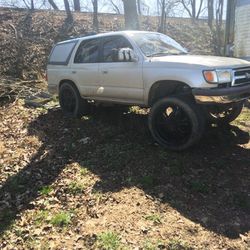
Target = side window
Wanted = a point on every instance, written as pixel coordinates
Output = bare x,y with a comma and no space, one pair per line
111,45
87,52
61,53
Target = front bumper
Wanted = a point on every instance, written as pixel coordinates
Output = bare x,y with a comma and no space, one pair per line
223,95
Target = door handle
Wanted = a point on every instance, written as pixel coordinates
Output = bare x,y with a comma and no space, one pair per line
105,72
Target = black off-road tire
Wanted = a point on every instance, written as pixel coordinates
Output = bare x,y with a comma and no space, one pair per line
188,111
224,114
72,104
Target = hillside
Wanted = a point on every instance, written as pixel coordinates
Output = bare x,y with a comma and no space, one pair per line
26,38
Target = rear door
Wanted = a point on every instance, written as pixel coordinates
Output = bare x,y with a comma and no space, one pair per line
85,67
119,81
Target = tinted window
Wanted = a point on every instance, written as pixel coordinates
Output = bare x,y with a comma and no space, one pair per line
112,44
61,53
87,52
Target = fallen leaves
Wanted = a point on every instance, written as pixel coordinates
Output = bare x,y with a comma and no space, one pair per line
54,195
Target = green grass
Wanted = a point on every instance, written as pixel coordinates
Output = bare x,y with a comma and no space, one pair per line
61,219
40,217
45,190
76,187
156,218
108,241
84,171
150,245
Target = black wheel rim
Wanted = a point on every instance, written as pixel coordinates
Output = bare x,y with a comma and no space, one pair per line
173,125
68,100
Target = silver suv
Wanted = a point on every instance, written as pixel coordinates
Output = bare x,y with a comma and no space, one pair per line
152,70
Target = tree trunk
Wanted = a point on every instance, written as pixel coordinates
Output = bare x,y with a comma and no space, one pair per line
32,7
139,7
130,14
68,11
210,10
77,6
52,3
163,17
95,15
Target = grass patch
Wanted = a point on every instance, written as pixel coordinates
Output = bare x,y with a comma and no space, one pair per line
40,217
155,218
84,171
76,187
61,219
149,245
45,190
108,241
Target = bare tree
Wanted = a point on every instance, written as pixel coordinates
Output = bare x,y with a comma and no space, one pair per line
95,15
139,7
162,26
210,12
164,9
68,11
77,6
191,7
52,3
115,7
130,14
217,29
32,7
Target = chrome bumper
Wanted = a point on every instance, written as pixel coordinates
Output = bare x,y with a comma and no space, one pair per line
223,95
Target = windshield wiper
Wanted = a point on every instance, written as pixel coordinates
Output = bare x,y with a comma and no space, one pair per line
166,54
158,54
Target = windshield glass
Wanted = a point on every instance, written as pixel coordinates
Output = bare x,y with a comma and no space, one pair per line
156,44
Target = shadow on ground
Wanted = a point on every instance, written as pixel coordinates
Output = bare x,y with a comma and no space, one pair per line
208,184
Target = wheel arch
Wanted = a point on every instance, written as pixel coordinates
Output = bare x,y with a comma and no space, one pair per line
68,81
166,88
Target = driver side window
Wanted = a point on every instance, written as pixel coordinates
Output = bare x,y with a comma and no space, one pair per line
111,45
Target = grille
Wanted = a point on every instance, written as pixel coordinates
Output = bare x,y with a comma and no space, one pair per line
241,76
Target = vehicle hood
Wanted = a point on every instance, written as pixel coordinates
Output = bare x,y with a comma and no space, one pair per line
203,61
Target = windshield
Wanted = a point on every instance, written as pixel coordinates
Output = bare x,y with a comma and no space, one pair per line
156,44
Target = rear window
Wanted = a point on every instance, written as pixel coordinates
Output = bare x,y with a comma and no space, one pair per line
61,53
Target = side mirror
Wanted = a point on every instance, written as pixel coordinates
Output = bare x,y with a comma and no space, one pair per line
127,55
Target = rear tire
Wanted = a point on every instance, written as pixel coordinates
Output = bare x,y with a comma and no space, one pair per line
176,123
71,102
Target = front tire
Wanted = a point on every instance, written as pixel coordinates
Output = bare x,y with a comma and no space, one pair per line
71,102
176,123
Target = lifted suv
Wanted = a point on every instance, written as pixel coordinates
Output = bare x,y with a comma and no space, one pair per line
149,69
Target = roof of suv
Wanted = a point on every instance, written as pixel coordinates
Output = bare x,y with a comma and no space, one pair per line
125,32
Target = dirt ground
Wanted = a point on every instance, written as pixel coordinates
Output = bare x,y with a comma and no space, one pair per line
102,183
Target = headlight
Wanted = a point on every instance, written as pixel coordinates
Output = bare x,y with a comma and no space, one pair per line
218,76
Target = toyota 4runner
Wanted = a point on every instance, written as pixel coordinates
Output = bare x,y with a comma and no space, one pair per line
151,70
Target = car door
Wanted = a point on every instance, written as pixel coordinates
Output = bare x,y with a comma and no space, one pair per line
119,81
85,67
